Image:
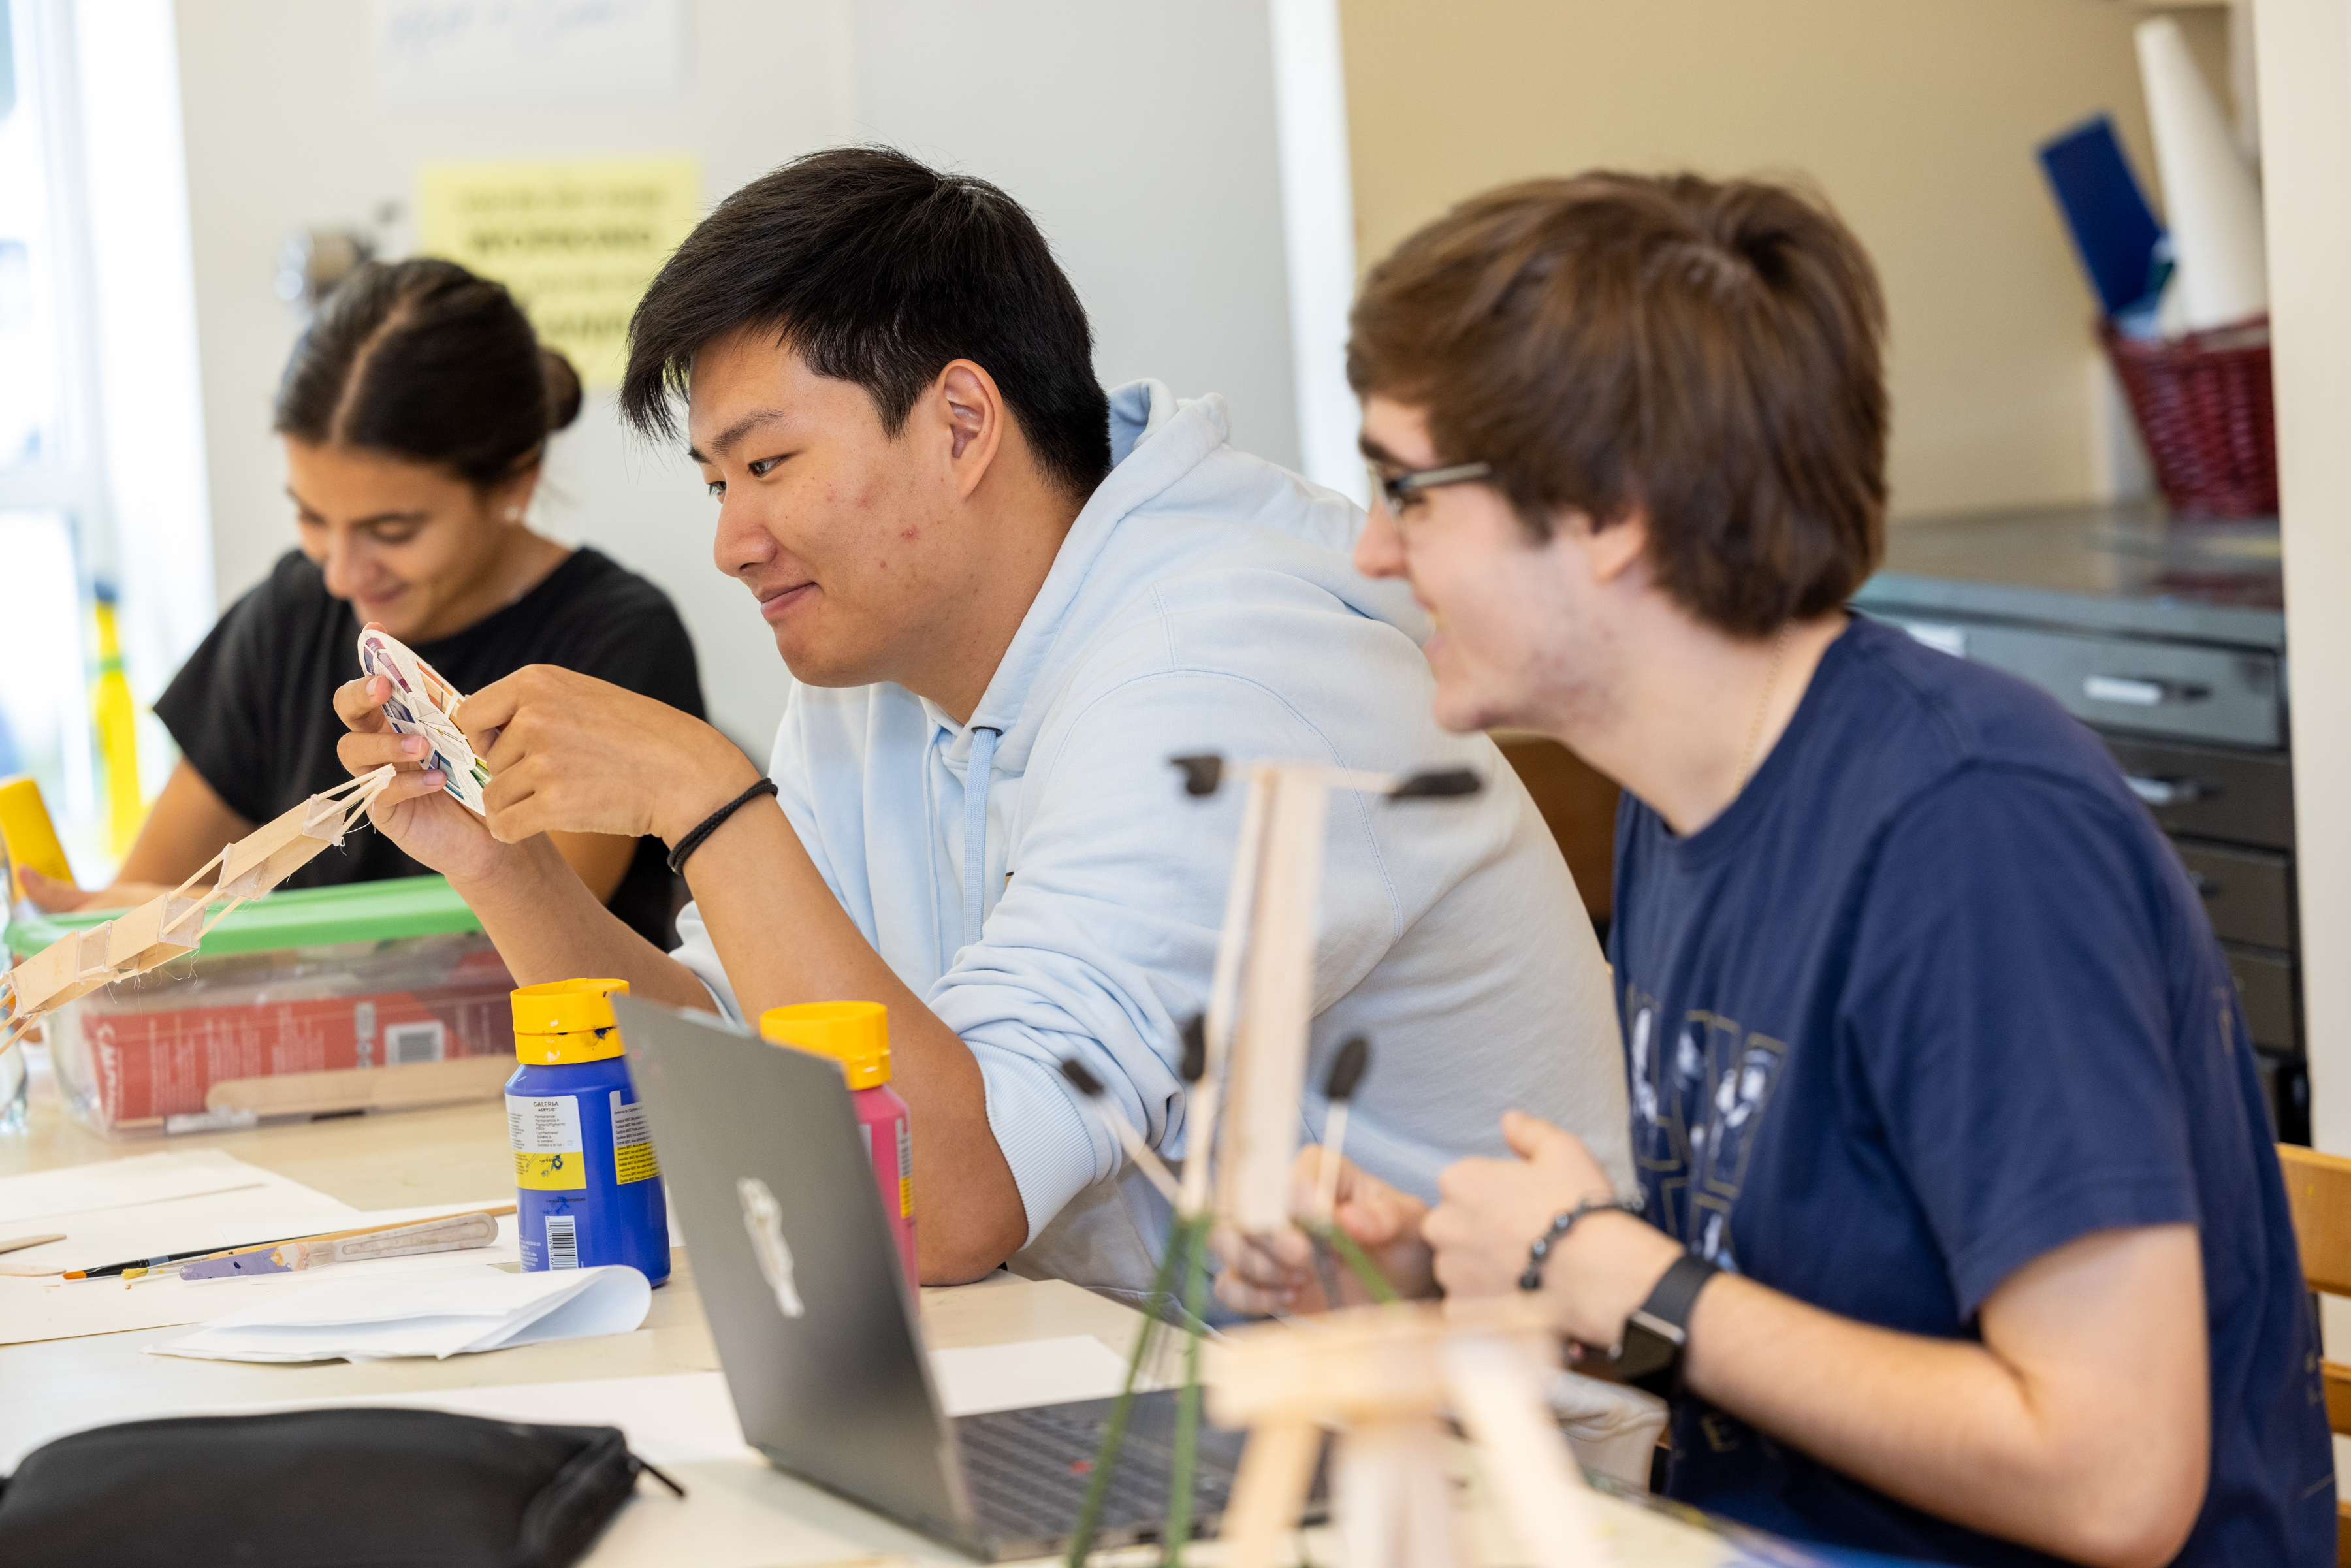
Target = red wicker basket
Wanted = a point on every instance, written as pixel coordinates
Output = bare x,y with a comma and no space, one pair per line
2203,407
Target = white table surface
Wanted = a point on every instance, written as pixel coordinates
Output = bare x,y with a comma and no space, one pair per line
740,1512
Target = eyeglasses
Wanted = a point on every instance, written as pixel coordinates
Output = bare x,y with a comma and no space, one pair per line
1400,489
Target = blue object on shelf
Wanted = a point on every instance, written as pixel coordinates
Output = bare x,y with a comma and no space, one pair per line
2122,247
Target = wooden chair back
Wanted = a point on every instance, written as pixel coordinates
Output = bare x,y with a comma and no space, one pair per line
2318,1191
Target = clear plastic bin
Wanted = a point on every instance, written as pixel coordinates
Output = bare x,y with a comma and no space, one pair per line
383,974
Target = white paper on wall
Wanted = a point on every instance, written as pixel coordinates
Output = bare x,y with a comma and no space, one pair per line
500,51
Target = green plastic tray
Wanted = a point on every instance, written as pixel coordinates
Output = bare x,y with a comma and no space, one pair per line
303,917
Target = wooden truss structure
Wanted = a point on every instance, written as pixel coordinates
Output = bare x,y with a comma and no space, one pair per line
1261,992
171,926
1386,1379
1385,1376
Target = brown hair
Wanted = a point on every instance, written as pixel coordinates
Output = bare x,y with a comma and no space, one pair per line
1707,353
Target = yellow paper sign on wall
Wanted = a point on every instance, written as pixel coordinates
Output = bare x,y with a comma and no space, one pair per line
576,240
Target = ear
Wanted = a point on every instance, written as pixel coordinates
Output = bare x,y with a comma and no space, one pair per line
1617,547
975,418
510,499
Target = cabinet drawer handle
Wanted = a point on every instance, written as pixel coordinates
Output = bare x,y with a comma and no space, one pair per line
2167,791
2140,691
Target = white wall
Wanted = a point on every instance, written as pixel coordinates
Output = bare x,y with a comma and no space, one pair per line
1143,137
1142,140
283,132
2305,107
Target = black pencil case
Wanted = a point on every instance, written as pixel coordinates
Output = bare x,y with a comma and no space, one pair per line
316,1488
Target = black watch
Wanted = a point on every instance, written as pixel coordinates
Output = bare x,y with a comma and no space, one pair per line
1650,1358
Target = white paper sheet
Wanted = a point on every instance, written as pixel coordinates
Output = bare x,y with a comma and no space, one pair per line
213,1219
977,1379
119,1184
686,1418
366,1319
51,1309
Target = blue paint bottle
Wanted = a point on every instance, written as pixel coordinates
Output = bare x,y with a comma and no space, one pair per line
588,1190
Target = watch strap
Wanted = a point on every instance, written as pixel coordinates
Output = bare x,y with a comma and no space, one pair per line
1656,1336
1667,1309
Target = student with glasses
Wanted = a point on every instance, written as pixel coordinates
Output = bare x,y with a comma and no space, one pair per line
1959,1233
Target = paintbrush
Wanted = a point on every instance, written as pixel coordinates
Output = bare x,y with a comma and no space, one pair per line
1087,1085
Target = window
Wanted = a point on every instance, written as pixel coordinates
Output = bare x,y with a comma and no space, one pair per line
45,472
84,154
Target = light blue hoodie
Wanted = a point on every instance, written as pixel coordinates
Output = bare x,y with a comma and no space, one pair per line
1203,601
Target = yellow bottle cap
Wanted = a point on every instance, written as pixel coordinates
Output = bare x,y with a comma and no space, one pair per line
855,1034
567,1020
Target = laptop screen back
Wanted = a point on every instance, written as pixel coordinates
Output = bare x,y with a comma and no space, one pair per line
793,1257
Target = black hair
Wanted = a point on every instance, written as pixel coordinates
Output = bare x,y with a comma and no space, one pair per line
880,270
423,359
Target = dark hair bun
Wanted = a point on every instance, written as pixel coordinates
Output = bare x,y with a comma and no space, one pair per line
562,389
421,359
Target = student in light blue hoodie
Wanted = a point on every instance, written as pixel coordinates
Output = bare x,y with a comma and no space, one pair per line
1008,600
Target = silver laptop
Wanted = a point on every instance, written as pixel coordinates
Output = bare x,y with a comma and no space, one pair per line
815,1323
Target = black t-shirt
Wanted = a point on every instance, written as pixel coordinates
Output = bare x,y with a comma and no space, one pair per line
253,709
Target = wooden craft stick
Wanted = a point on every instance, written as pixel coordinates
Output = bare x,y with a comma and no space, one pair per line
1535,1474
1270,1491
1391,1498
1268,1066
165,928
363,1088
1223,986
1240,899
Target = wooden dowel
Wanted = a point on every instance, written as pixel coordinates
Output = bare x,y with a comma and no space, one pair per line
1270,1491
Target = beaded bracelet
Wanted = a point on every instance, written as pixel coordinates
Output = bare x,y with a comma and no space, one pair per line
1560,1224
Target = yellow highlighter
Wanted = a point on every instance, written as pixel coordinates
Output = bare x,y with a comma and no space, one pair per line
25,828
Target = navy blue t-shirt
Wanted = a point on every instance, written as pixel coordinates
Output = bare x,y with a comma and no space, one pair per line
1932,997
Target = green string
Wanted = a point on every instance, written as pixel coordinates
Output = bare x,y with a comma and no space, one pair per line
1192,1242
1352,1253
1082,1536
1187,1255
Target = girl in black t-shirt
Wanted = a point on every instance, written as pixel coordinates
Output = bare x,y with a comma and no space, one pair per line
415,413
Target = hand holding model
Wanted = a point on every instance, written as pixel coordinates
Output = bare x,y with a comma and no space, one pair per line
1276,1272
567,753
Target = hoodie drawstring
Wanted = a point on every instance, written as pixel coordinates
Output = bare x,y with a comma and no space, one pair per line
974,827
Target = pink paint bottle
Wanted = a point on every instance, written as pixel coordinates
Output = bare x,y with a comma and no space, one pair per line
857,1035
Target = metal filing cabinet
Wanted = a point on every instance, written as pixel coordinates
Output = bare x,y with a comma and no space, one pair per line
2168,640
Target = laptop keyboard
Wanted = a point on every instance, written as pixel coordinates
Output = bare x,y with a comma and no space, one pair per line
1029,1469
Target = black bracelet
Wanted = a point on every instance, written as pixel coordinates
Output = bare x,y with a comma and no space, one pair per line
713,823
1561,1224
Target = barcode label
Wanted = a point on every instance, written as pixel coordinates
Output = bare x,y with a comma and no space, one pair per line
562,1241
405,1044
